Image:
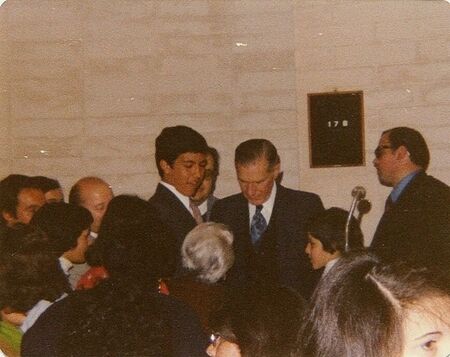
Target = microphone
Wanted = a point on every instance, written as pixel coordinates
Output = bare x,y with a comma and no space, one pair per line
358,193
364,206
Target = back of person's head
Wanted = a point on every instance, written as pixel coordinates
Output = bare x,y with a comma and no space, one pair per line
216,160
123,316
44,183
63,223
413,141
111,320
362,308
176,140
29,271
50,187
133,242
252,150
262,321
10,188
329,227
207,250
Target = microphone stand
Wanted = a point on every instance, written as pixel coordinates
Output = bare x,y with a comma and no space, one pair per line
358,193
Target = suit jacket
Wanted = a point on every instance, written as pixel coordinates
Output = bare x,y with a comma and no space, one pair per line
280,256
174,214
209,204
417,227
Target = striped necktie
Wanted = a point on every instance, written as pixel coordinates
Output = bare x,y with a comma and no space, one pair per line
258,225
196,212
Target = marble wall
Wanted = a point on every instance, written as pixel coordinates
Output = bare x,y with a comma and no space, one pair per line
398,54
85,87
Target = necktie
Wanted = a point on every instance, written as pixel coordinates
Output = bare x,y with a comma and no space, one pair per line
196,213
258,225
388,204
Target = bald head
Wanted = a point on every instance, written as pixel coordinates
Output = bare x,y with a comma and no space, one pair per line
94,194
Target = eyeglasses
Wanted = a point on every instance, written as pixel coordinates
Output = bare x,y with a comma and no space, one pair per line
214,339
379,150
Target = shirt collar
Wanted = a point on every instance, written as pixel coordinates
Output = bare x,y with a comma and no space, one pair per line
183,199
329,265
36,311
65,264
267,206
398,189
203,207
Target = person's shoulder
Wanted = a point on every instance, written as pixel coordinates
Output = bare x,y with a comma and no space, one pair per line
159,191
437,183
40,339
289,192
229,201
431,185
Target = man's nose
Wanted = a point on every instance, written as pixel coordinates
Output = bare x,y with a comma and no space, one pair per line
251,189
198,172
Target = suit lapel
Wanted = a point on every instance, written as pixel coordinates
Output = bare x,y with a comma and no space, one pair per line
173,204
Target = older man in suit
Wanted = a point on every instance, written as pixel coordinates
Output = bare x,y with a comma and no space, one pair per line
268,221
180,154
415,226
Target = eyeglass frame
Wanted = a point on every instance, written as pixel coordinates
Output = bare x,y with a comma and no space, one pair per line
214,339
379,150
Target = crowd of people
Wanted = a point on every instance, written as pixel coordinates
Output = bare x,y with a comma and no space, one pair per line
266,272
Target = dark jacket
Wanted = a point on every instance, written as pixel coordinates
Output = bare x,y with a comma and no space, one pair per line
417,227
177,218
280,257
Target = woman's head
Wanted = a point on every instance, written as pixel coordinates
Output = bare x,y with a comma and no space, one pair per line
207,250
369,309
29,270
259,321
133,242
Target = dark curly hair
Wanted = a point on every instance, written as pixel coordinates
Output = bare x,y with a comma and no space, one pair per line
29,271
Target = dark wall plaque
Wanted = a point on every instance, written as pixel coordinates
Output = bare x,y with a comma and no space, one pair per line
336,129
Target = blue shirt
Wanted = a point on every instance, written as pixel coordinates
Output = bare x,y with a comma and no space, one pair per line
398,189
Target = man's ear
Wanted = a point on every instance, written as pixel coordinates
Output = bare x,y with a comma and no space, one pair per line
8,217
402,153
165,167
276,170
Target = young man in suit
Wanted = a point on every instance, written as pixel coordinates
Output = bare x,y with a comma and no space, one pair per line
415,226
268,221
180,154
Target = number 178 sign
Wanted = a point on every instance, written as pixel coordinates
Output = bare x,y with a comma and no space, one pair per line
336,131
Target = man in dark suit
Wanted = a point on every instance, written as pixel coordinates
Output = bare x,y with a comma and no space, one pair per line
181,160
415,226
268,221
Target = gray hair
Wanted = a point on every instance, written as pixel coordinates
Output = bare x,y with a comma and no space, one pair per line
208,251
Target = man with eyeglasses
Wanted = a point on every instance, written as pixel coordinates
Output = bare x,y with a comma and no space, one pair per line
415,226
